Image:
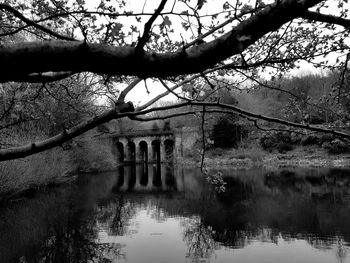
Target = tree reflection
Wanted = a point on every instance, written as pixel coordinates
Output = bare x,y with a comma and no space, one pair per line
73,239
340,250
77,245
76,225
199,240
115,215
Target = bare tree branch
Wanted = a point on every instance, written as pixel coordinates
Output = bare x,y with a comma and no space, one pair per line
75,56
203,138
127,90
245,113
171,90
310,15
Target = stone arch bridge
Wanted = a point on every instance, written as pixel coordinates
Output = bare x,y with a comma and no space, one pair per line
152,146
145,146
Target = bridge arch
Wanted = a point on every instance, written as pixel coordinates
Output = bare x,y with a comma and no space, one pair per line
120,152
156,157
143,152
131,153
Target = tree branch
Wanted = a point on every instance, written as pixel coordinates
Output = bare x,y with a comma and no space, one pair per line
245,113
146,32
17,59
310,15
23,151
127,90
171,90
44,77
32,23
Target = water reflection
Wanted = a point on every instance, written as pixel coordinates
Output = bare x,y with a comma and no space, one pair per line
170,214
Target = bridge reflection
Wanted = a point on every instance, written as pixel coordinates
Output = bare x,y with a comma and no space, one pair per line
148,178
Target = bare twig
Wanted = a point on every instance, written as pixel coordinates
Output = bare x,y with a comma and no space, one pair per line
170,90
203,138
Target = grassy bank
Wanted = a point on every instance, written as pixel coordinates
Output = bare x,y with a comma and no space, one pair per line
253,155
85,154
33,172
36,171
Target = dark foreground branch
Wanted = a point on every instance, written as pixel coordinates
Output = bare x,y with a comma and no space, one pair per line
72,56
326,18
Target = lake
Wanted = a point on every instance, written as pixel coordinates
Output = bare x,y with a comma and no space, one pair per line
175,214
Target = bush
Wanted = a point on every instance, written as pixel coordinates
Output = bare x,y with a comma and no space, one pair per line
337,147
227,133
282,141
311,139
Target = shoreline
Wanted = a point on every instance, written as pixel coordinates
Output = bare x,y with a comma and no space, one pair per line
225,160
273,161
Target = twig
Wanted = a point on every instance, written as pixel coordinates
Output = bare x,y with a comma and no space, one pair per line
342,79
203,139
172,92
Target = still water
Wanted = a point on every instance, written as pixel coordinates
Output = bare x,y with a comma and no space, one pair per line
173,214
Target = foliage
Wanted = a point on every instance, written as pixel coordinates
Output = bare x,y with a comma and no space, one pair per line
337,147
282,141
286,141
227,133
311,98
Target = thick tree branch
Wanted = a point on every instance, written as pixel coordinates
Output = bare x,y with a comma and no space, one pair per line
44,77
32,23
17,59
310,15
